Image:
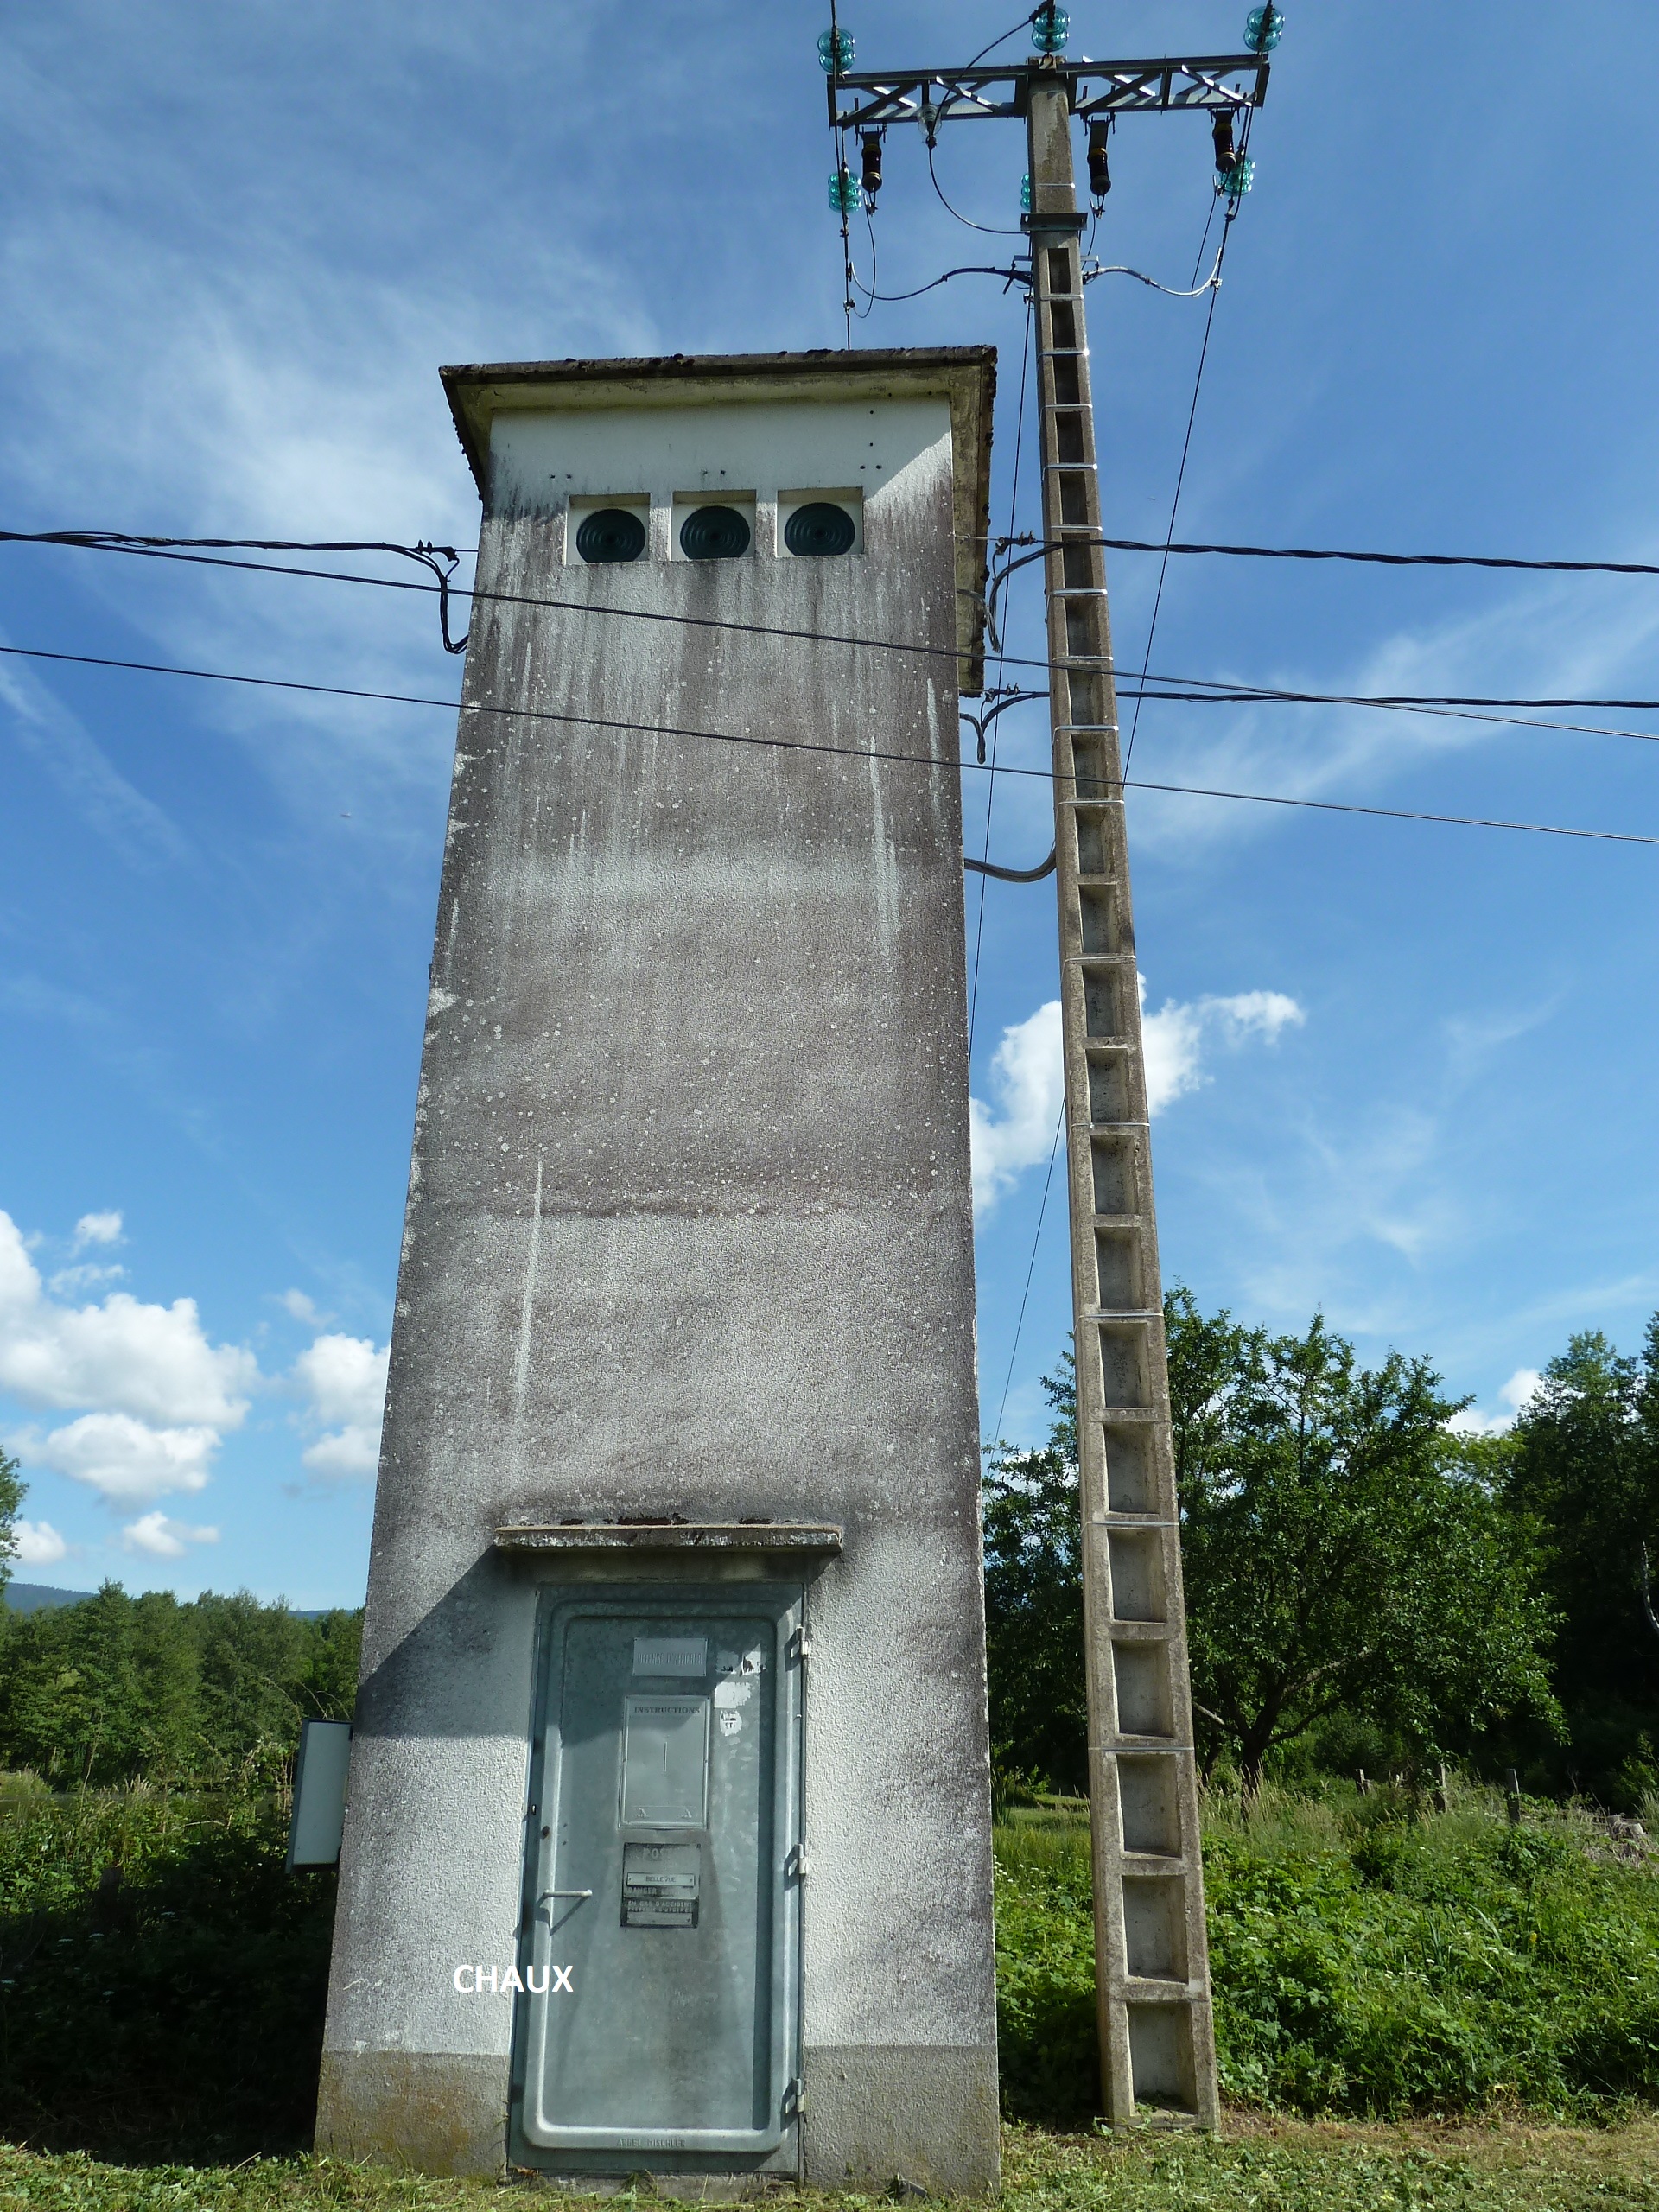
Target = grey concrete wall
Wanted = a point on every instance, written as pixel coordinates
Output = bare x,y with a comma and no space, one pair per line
689,1231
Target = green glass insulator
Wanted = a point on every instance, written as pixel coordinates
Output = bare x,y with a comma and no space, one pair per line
834,51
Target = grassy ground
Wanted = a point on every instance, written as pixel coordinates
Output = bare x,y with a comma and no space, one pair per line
161,1986
1280,2165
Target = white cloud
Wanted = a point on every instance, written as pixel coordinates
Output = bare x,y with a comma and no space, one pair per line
1026,1074
296,1304
1026,1077
153,1361
125,1461
165,1539
1515,1393
344,1381
37,1543
97,1229
1176,1035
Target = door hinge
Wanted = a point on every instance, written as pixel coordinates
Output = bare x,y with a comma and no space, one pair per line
795,2098
798,1865
799,1650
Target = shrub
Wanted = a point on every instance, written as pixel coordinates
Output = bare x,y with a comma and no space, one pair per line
1369,1966
162,1978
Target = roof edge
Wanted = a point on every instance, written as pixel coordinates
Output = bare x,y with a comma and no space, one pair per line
966,375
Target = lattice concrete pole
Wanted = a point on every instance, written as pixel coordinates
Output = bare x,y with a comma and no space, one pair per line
1156,2037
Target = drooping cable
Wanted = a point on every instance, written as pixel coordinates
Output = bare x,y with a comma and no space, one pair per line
1014,874
1122,269
1011,276
991,230
990,781
166,549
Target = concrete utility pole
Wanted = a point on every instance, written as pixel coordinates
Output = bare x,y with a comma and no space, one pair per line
1157,2038
1152,1975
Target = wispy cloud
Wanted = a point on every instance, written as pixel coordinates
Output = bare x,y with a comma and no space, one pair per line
1551,638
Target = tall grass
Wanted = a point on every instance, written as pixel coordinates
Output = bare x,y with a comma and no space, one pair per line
161,1980
1367,1959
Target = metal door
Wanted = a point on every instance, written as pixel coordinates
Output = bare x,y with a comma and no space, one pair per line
662,1932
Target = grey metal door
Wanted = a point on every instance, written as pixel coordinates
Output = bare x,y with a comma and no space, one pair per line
661,1952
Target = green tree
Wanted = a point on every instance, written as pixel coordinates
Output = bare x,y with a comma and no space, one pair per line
11,1497
212,1691
1345,1550
1034,1603
1586,1467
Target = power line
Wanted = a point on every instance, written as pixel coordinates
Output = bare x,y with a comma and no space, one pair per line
802,745
1376,560
160,550
1181,474
984,868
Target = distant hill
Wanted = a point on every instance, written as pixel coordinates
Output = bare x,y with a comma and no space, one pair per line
38,1598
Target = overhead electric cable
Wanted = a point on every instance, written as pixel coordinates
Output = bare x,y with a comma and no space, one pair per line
1186,443
1019,1325
1374,560
801,745
1015,275
1210,283
176,550
991,229
984,866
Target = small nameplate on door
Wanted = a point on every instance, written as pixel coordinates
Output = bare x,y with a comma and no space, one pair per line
671,1655
661,1883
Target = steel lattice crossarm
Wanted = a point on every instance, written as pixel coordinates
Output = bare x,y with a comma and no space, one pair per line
930,97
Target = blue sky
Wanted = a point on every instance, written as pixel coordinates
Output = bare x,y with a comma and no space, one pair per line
1405,1072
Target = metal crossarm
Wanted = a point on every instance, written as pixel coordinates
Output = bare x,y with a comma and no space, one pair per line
1092,88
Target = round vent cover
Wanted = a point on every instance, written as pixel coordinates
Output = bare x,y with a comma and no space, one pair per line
713,534
611,534
822,527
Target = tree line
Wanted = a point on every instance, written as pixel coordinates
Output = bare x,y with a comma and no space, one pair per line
208,1694
1366,1586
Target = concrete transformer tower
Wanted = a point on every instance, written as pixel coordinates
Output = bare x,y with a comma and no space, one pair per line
668,1845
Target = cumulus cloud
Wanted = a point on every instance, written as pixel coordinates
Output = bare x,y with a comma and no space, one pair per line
1514,1395
163,1539
37,1543
124,1458
1176,1036
97,1229
301,1309
152,1362
344,1382
1025,1078
1017,1132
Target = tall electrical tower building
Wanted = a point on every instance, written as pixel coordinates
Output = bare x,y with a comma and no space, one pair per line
668,1844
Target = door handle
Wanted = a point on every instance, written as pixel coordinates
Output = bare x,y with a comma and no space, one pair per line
562,1893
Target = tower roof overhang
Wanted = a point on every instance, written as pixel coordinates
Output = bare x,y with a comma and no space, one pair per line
965,376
